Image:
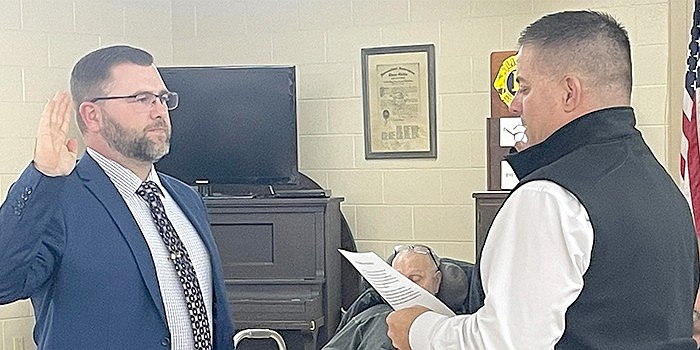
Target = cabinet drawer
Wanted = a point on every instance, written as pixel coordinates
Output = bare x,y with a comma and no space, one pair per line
279,314
267,245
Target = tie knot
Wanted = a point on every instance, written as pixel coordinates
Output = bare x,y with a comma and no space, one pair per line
147,189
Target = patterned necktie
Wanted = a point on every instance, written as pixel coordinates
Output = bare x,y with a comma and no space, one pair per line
183,265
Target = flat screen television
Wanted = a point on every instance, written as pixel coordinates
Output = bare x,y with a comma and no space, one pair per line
233,125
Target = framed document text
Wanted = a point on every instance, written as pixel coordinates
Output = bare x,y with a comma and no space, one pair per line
398,95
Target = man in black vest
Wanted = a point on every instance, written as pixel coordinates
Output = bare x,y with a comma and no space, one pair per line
595,247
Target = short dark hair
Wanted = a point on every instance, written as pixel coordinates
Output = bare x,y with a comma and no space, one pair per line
92,73
593,42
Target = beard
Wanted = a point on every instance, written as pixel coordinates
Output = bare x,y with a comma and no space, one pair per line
134,144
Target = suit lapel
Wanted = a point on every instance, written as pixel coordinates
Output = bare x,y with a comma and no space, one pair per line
102,188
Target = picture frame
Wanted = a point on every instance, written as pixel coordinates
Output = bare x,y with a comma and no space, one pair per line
398,97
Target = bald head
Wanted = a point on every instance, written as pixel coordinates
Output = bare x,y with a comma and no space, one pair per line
419,268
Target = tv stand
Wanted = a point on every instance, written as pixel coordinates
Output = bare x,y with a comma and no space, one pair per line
301,193
238,191
281,263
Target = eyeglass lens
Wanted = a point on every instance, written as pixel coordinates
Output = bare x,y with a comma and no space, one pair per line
169,100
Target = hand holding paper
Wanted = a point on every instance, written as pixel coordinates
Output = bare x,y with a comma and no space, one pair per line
399,291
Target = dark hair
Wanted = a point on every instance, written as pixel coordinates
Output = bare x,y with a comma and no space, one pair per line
92,73
590,41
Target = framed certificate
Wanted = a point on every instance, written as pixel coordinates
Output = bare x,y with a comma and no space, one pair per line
398,95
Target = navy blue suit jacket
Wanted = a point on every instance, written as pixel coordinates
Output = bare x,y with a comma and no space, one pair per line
72,246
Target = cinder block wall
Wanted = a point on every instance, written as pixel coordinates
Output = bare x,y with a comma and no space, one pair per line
417,200
386,201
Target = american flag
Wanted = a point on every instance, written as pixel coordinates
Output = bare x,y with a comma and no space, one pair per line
690,151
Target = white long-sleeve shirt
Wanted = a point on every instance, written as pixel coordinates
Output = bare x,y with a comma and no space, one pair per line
532,267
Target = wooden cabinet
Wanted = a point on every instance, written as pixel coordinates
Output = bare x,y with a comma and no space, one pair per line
281,264
487,205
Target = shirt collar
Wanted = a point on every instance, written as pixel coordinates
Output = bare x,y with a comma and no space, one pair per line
126,182
600,126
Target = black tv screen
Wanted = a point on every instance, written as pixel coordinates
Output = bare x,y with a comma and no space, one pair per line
233,125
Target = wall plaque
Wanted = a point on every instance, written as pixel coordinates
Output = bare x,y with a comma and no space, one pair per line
503,84
504,128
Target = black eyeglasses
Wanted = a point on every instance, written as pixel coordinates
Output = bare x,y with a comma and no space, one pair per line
145,100
420,249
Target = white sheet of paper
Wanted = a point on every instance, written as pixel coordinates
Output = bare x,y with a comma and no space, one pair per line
399,291
508,178
509,126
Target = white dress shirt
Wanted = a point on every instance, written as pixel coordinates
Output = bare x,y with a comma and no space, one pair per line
538,248
171,291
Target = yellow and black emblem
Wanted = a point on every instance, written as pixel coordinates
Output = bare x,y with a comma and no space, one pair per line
505,83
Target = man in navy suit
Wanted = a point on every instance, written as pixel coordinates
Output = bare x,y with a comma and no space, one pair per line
79,241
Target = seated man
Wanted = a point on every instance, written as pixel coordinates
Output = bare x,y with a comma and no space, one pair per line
366,328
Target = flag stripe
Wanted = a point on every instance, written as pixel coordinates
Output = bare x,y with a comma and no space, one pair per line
690,151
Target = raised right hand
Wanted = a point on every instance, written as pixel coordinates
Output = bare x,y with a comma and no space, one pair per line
54,153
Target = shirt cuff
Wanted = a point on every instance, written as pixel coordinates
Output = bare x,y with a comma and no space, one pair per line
422,328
